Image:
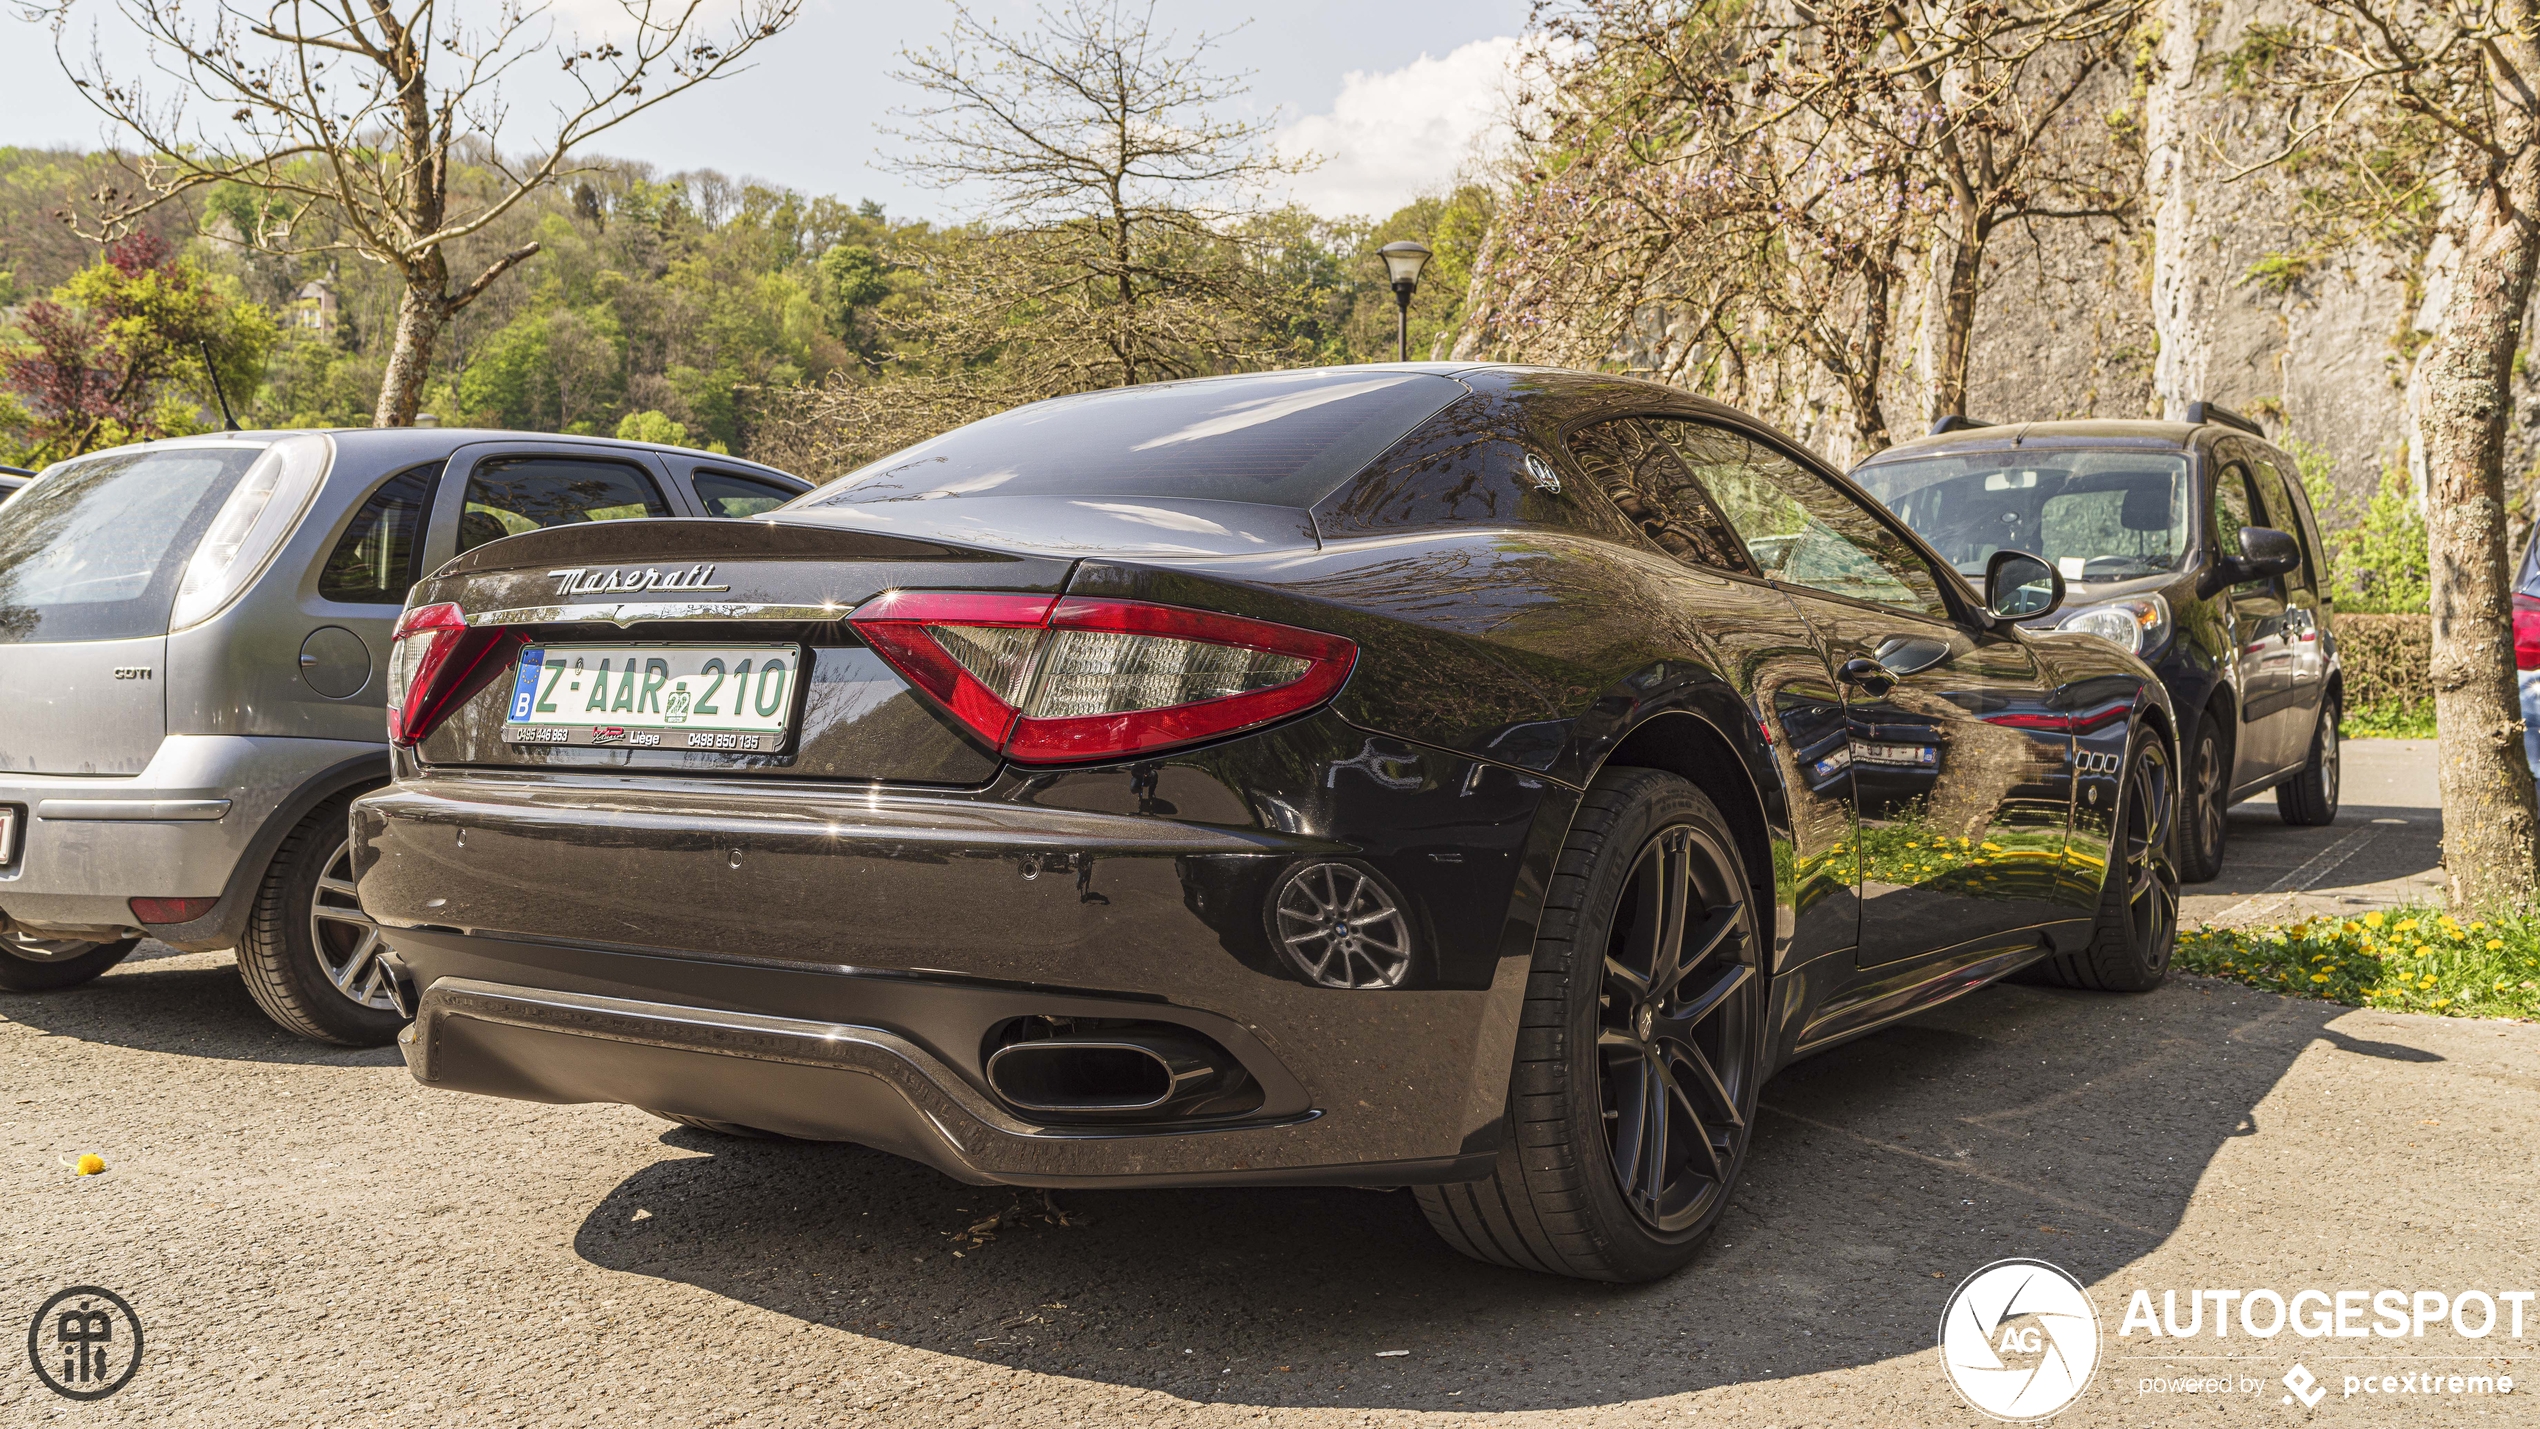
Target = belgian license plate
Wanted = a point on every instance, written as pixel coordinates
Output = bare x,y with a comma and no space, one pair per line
738,698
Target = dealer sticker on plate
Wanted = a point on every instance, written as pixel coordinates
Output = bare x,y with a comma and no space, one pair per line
679,697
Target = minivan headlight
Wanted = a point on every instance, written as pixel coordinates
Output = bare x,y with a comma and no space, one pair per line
250,526
2138,624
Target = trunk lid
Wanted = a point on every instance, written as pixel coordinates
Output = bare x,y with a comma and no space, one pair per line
741,587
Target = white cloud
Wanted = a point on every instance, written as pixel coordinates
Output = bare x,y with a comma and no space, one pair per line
1391,137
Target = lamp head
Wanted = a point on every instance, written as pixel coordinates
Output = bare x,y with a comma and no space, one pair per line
1403,260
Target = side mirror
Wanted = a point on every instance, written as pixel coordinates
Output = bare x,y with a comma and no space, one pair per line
2019,586
2264,552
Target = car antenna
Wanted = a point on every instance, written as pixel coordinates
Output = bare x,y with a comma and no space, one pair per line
229,422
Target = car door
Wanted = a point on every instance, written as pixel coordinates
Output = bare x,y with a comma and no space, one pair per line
1958,751
2254,612
1766,645
497,489
2304,653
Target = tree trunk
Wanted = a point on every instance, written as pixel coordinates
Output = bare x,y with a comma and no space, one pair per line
2181,321
2491,838
420,315
1949,318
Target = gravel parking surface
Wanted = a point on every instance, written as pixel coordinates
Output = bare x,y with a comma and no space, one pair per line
310,1238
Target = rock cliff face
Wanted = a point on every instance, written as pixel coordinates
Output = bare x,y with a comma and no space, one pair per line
2194,297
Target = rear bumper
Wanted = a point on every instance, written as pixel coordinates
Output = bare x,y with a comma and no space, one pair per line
178,829
828,1081
904,929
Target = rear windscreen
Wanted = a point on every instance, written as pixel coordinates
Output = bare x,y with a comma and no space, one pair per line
1276,439
93,550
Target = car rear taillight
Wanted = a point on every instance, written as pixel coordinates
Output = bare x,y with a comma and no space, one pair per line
2526,633
1053,680
430,658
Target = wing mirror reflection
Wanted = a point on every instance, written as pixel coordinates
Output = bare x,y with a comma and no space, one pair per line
2019,586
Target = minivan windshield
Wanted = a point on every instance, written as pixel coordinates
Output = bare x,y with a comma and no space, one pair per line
92,551
1277,439
2098,515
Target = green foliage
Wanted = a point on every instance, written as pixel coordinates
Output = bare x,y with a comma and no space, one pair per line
2376,554
2388,720
660,430
2411,959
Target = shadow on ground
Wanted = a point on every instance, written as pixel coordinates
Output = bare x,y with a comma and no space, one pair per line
183,1004
2018,1121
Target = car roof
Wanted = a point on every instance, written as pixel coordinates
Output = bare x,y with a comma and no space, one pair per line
2079,432
425,443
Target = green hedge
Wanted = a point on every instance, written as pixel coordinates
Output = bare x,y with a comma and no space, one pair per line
2386,659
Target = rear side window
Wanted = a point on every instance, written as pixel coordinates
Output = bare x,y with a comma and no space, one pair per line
1276,439
510,495
2283,515
374,561
93,551
1802,529
724,493
2233,505
1642,474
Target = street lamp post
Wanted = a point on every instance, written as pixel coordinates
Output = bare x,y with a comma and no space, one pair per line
1403,259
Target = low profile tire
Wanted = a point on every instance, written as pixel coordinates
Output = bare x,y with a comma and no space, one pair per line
66,962
2204,816
2308,800
1639,1053
311,956
718,1128
2137,927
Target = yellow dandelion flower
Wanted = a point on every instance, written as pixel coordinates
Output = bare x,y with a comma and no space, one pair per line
89,1164
2319,977
2495,943
2441,1002
1989,846
2409,926
2423,951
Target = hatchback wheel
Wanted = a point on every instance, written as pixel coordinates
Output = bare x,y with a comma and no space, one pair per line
311,956
2204,821
32,964
1640,1052
2137,928
2309,799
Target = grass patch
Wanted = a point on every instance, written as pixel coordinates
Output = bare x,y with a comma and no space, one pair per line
2411,959
2388,721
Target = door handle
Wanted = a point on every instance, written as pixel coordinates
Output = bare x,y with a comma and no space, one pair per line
1867,673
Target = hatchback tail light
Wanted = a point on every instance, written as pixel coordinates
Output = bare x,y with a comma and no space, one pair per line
430,658
2526,633
1058,679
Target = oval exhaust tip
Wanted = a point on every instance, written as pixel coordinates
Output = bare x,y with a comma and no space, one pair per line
1080,1075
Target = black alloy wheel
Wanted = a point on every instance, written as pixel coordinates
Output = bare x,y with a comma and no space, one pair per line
2308,800
2137,927
1640,1050
2204,825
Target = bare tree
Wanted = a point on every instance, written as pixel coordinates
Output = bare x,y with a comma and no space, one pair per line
1109,191
2375,74
335,111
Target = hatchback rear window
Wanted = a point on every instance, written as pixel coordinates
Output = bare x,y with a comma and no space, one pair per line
1277,439
93,551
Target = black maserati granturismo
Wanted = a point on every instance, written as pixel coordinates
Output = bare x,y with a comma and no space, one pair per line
1471,778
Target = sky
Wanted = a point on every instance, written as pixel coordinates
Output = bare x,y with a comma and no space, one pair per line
1393,97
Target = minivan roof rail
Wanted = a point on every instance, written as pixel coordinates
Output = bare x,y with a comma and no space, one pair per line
2199,413
1956,422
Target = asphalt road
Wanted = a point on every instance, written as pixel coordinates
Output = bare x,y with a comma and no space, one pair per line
310,1238
2386,846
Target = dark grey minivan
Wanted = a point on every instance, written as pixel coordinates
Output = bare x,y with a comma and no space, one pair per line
193,635
2190,544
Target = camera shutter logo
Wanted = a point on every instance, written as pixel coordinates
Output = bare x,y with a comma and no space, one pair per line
2019,1340
85,1343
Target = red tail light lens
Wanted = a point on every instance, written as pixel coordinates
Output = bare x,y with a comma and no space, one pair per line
2526,633
1063,680
162,911
430,658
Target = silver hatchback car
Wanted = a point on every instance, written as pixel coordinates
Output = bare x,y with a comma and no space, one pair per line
193,637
